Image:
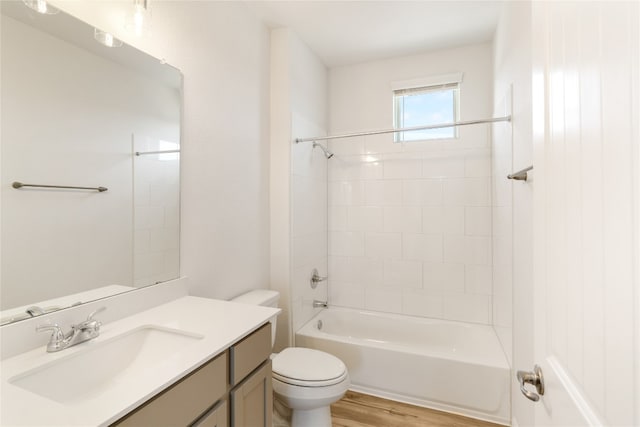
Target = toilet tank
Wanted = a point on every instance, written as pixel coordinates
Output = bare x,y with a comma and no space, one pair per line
263,297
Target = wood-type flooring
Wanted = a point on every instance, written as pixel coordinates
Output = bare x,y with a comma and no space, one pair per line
362,410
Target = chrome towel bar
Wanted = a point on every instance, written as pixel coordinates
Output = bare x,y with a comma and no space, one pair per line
521,175
144,153
18,185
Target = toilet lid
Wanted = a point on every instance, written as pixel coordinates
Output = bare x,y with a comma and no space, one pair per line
308,367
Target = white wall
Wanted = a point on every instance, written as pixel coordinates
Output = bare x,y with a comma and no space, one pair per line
298,180
77,240
410,224
223,52
225,150
513,209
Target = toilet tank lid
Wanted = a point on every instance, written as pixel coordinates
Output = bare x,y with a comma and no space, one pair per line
264,297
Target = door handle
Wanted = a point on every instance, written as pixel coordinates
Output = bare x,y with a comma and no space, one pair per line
534,378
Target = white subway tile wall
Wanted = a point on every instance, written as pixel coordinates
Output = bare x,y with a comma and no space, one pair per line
156,194
410,227
432,254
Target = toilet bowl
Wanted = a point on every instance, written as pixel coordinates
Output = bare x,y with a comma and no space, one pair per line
308,381
305,380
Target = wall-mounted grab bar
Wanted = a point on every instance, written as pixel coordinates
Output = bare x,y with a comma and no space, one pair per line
142,153
18,185
521,175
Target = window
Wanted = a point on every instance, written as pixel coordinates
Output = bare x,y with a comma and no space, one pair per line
423,106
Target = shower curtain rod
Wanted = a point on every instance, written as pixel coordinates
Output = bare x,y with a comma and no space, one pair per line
378,132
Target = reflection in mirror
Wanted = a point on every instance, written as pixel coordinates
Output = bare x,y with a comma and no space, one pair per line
74,113
157,209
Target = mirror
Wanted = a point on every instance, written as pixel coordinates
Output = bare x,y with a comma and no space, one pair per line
75,113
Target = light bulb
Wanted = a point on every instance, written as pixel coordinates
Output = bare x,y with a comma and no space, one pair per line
139,19
42,6
108,40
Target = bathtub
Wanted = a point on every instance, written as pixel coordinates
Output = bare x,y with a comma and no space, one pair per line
450,366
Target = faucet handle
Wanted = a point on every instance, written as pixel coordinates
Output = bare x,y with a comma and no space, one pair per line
316,278
100,310
57,335
91,324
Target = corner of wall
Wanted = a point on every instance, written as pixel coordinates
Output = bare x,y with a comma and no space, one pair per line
279,179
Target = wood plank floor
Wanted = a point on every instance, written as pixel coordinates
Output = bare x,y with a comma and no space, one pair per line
362,410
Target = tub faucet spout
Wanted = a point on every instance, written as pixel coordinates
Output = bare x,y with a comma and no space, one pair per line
320,304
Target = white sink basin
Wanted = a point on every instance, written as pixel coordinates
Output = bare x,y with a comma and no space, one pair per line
86,374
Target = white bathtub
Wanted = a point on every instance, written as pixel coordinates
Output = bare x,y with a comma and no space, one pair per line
450,366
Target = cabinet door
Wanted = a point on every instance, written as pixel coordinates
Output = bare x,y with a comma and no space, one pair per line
216,417
252,400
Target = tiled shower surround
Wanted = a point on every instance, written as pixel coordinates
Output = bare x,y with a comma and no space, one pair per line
410,226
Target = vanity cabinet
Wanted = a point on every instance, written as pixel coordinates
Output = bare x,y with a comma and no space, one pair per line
251,397
184,402
232,389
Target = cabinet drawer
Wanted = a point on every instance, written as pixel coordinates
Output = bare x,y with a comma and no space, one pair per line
249,353
218,416
184,401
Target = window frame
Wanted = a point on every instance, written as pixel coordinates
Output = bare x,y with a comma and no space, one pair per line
425,85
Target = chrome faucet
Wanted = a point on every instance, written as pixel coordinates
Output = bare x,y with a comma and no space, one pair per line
320,304
83,331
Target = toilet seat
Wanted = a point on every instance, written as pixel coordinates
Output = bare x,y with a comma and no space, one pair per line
306,383
307,367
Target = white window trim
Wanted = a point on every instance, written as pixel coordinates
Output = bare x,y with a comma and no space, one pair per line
442,79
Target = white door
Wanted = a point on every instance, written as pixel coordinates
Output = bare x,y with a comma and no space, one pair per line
586,212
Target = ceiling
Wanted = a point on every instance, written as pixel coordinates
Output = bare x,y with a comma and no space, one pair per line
350,32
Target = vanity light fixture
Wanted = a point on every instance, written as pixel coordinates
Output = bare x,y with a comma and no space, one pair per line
41,6
106,39
139,20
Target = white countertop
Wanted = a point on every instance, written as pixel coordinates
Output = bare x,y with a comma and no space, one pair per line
221,323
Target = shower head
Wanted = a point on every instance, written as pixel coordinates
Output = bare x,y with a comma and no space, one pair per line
328,154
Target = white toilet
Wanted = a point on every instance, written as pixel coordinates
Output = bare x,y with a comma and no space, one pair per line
305,380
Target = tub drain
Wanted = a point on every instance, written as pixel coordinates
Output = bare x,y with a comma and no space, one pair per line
319,324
